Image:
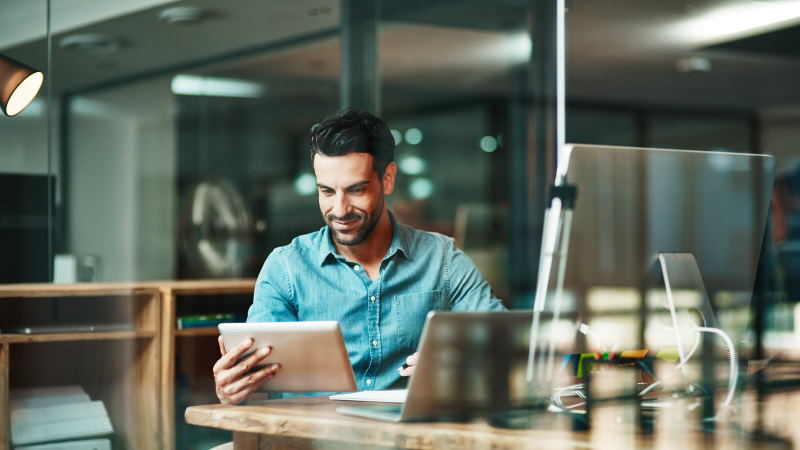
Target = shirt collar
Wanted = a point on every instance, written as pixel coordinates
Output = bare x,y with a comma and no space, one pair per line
399,239
327,251
399,243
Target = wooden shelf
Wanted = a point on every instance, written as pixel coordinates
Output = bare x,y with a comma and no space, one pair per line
129,385
51,290
141,401
209,331
204,287
85,336
173,293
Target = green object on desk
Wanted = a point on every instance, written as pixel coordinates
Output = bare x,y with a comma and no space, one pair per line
204,320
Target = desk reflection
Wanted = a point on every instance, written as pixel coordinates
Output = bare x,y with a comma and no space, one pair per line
312,423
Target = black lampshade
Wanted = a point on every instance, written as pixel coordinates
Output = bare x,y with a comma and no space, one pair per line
19,84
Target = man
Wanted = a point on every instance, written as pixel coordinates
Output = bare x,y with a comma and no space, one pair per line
376,277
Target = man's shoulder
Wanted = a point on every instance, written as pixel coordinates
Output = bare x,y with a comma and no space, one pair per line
423,240
302,245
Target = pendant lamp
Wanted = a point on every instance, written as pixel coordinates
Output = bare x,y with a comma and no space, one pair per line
19,84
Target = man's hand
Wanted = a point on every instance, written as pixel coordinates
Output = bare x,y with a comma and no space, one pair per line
235,381
408,368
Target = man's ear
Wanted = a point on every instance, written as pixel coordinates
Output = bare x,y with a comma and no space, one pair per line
389,177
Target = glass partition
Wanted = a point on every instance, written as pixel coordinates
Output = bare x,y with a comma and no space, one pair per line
174,148
170,144
27,167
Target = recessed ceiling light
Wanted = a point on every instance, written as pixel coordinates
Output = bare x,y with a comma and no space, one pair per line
92,43
732,20
182,15
215,87
693,64
320,11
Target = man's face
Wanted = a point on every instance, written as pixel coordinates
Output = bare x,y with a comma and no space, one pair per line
351,194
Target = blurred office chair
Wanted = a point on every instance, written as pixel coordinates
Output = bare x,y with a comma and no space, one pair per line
478,232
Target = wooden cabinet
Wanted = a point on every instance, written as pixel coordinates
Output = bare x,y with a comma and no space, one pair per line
127,360
118,363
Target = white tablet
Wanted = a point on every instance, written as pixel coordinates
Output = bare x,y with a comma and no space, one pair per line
312,354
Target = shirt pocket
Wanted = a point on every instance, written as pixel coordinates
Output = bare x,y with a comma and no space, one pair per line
411,311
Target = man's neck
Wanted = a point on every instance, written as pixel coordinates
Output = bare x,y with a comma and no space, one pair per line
374,248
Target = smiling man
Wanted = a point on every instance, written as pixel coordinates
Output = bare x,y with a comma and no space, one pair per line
375,276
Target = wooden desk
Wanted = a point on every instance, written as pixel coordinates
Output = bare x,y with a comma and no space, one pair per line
307,423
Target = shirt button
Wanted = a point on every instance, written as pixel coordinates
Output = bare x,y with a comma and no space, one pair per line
356,268
374,342
369,382
372,299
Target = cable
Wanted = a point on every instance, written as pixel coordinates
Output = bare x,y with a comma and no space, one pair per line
734,374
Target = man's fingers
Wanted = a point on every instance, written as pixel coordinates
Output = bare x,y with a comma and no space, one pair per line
241,395
239,390
238,398
251,381
408,368
221,345
250,362
229,358
406,372
232,374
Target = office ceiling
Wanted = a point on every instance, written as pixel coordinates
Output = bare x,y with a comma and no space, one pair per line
619,51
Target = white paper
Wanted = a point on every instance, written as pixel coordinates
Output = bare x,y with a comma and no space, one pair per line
65,269
387,396
86,444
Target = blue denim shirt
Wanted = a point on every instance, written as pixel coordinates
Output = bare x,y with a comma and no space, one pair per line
381,320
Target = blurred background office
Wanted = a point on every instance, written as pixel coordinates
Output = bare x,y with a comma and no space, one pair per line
170,139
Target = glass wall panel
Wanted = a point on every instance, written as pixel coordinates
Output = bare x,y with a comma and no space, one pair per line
601,126
27,186
176,149
462,87
170,143
200,143
701,132
691,80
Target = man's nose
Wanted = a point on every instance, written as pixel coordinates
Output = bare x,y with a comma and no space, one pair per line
340,205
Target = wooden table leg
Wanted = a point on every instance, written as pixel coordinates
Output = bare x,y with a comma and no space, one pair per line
167,394
245,441
256,441
5,414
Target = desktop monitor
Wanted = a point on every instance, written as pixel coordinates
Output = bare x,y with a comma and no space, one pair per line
700,215
26,204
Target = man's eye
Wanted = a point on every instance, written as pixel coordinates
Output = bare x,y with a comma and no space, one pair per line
358,189
326,191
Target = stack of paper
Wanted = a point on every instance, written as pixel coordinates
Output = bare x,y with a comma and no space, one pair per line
59,413
82,444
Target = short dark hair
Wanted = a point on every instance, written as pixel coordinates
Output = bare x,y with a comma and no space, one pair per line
352,131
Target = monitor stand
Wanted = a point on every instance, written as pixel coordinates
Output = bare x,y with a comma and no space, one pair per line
679,272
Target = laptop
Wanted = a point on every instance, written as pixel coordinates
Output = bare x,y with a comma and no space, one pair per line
470,364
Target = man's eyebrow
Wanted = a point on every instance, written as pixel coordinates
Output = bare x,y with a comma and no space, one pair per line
352,186
358,185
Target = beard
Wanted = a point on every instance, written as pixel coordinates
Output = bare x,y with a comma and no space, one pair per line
366,223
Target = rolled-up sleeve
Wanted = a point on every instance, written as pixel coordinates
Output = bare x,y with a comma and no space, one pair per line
468,290
273,299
